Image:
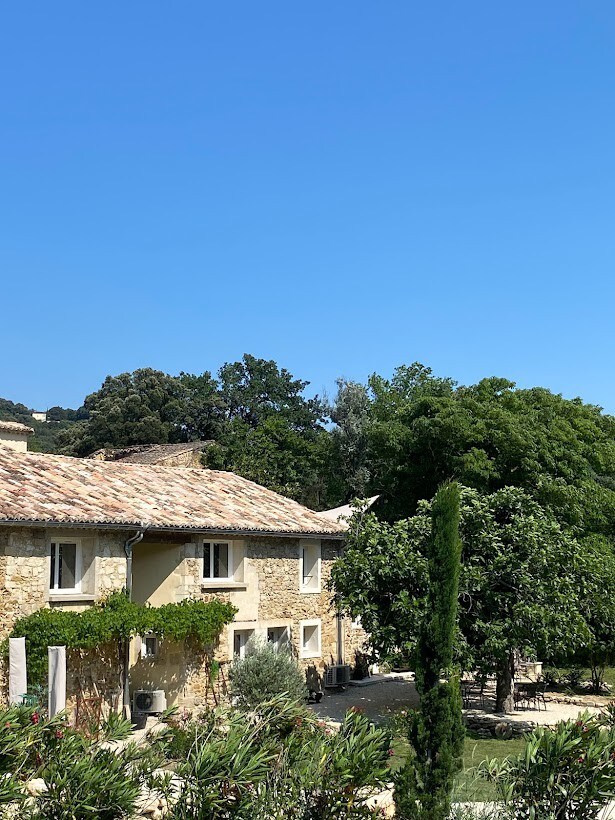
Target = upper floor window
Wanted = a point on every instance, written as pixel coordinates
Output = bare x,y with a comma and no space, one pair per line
309,569
218,560
65,574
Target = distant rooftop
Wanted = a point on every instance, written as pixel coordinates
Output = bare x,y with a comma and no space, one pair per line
150,453
342,514
16,427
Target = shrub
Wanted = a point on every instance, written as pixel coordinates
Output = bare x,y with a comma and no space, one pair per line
263,673
573,677
281,763
101,783
83,778
277,763
566,772
183,731
551,677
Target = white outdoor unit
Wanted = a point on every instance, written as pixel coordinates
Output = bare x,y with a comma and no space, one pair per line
149,702
338,675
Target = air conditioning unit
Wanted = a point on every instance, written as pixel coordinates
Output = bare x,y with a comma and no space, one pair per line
338,675
149,702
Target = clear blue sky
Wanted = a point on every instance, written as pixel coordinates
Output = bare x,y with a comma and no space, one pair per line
340,186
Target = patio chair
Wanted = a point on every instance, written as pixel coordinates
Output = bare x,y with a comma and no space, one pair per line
539,695
472,690
524,693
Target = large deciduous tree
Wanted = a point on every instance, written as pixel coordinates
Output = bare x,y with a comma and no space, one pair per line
423,430
597,606
350,414
518,589
263,425
272,433
142,407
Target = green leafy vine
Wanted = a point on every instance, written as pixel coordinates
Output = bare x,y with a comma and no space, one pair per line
115,620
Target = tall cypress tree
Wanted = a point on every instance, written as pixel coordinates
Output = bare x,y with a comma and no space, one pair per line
423,787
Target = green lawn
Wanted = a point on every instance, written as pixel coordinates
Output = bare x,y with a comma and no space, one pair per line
469,786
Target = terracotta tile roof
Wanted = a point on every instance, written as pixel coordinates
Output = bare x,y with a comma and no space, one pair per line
61,490
15,427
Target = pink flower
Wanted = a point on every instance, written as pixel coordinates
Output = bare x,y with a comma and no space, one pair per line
35,718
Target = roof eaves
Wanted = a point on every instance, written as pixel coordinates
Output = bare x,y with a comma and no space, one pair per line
125,526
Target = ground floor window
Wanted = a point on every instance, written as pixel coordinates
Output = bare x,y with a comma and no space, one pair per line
279,636
240,641
310,639
149,646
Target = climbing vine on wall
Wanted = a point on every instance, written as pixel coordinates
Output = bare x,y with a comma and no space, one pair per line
115,620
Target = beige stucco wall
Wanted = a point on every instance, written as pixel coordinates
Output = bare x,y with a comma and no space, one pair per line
265,591
14,441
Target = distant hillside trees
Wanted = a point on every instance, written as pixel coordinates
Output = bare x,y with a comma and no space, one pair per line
46,435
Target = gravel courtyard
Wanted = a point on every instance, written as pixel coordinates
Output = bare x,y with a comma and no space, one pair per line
381,698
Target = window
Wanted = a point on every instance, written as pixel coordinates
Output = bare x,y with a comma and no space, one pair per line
279,636
240,641
310,639
309,569
65,574
149,646
217,560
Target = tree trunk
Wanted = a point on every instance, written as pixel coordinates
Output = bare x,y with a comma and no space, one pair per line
504,687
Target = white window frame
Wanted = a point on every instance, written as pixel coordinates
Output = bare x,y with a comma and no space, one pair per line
310,653
54,589
214,579
144,640
248,634
315,586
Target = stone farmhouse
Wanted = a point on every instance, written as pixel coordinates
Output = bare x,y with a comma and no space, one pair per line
66,527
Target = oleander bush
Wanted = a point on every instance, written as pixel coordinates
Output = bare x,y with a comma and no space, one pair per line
567,772
81,777
275,762
281,762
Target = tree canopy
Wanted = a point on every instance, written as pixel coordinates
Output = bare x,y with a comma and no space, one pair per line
424,430
519,584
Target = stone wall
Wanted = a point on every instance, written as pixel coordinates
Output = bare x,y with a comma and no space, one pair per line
24,582
265,590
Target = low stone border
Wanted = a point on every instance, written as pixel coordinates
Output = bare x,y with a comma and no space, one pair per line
485,724
578,700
